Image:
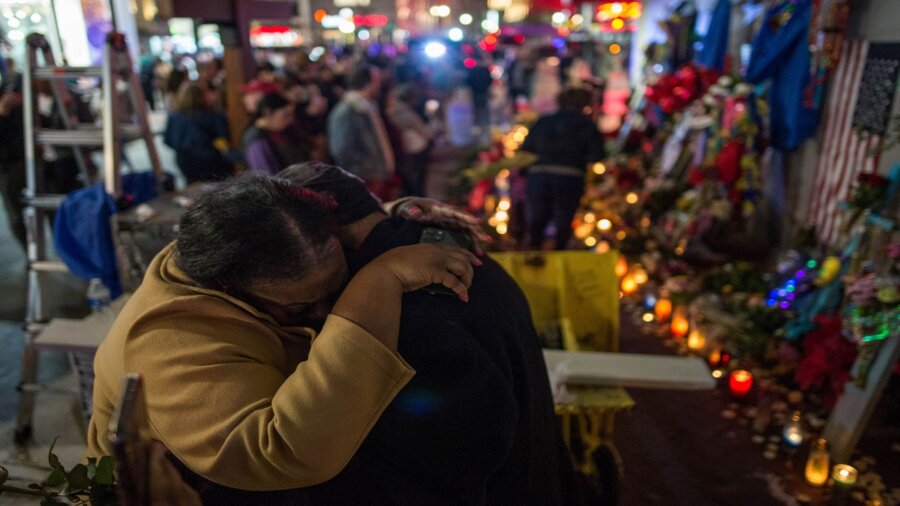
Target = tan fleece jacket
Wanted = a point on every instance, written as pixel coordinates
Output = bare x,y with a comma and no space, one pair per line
239,399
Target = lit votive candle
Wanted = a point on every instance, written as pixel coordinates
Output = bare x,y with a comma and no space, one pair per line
663,309
740,382
793,437
680,324
696,341
844,476
629,286
793,431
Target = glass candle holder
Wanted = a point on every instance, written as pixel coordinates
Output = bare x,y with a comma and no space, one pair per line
740,382
816,473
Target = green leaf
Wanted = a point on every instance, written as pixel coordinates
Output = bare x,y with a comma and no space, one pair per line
105,469
54,460
91,467
78,479
56,478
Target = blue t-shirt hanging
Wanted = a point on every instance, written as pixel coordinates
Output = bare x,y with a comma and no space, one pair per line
781,52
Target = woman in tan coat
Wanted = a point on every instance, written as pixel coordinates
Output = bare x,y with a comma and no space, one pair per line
239,387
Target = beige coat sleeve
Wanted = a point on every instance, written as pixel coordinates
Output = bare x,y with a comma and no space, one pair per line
222,404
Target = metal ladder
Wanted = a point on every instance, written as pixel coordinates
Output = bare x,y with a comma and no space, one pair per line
124,118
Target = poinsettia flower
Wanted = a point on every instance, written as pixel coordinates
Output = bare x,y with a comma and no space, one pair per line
872,179
828,358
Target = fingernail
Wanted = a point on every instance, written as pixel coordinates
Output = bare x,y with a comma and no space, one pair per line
465,298
478,262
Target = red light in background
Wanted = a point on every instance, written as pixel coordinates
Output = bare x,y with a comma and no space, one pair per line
519,39
490,39
467,49
371,20
470,63
320,15
260,30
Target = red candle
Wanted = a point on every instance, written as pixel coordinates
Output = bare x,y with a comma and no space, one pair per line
740,382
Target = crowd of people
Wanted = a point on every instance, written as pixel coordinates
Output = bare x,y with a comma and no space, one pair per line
367,115
379,118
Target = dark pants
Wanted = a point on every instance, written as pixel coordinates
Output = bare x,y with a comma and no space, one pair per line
552,198
414,171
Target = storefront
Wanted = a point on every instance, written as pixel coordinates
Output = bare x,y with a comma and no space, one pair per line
79,40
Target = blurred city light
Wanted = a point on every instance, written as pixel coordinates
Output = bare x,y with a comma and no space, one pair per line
435,50
455,34
465,19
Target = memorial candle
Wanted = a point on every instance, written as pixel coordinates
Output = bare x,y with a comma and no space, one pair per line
844,476
680,325
740,382
628,286
817,464
696,341
621,266
793,431
663,308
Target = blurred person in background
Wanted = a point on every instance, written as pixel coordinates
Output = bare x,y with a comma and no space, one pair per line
565,142
198,132
147,73
310,115
253,91
12,153
272,142
173,81
357,137
416,135
479,80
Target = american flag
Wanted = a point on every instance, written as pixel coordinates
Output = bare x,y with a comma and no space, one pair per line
844,153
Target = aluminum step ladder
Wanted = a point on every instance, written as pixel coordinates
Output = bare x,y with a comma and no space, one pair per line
124,118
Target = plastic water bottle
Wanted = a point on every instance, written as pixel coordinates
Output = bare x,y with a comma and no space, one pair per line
98,296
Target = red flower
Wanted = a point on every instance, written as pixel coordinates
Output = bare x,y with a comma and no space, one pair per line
872,179
827,361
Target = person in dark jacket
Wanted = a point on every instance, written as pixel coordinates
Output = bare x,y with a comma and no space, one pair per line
565,142
199,135
476,425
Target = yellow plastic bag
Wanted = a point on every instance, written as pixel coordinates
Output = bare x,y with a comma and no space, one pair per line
578,290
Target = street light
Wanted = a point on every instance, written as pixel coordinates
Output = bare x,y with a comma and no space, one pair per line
439,11
455,34
465,19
